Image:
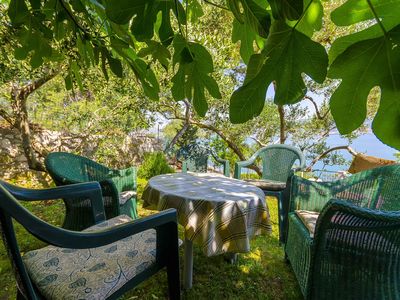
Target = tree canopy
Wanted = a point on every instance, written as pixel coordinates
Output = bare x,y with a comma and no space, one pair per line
278,44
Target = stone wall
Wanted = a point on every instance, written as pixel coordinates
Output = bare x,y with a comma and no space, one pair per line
14,166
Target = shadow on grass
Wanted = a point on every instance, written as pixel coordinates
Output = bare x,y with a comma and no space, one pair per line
259,274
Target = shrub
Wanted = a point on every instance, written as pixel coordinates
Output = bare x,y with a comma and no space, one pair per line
154,164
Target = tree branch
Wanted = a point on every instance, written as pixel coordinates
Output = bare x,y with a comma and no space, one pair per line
317,112
261,144
315,160
216,5
6,116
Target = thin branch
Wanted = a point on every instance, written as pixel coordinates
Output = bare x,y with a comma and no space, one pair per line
216,5
261,144
72,17
6,116
315,160
317,112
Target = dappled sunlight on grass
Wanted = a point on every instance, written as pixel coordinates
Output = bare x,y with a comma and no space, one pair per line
260,274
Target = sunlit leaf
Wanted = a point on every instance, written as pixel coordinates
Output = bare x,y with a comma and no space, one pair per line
193,76
287,54
362,66
286,9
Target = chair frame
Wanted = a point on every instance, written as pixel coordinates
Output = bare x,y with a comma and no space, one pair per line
165,224
283,202
224,162
112,184
342,229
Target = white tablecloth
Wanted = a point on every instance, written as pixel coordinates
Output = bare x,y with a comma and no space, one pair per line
218,213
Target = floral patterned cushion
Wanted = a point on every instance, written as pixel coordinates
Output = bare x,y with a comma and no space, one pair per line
61,273
309,219
125,196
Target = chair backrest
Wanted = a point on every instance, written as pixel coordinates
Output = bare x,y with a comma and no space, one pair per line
278,160
66,168
377,188
195,157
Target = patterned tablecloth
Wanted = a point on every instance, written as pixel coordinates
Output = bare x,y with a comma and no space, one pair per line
219,214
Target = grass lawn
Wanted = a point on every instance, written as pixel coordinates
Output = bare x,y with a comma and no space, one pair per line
259,274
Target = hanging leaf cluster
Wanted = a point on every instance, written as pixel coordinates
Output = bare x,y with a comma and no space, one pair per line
275,41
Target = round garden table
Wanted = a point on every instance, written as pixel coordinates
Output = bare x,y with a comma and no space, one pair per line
218,213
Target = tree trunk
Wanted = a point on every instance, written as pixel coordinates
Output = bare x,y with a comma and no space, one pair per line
230,143
19,96
282,126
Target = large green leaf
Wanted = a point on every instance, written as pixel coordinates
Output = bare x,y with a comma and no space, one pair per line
157,51
193,76
194,10
353,12
311,21
143,14
245,34
286,9
18,11
252,14
362,66
142,71
287,54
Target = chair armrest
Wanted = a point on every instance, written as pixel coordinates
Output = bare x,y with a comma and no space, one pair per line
351,241
90,190
225,163
243,164
184,167
82,240
109,189
359,226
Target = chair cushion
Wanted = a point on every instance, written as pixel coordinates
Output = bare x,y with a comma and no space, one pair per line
125,196
267,184
309,219
61,273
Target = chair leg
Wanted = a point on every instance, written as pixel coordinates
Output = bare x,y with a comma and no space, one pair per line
20,296
173,277
281,216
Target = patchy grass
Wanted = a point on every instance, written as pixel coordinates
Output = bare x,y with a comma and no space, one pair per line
259,274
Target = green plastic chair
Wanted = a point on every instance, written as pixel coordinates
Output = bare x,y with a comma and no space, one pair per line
195,158
118,187
277,166
103,262
343,238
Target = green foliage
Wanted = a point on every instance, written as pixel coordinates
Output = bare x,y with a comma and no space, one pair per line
192,78
287,54
277,41
365,64
154,164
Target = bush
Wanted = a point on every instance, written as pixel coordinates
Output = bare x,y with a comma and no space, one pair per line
154,164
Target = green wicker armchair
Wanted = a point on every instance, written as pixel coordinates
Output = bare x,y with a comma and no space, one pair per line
277,166
118,187
103,262
195,159
343,238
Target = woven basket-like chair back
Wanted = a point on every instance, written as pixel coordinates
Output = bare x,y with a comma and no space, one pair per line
195,156
278,160
69,168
